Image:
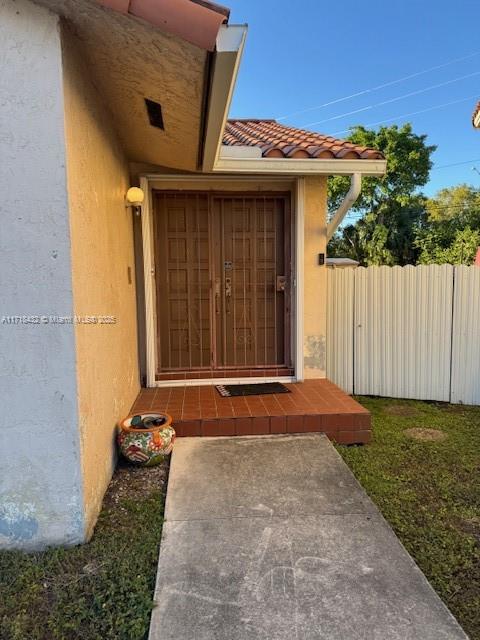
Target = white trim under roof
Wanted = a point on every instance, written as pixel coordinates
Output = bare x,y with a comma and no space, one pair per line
301,166
239,151
228,54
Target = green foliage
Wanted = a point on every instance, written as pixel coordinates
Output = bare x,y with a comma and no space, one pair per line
99,591
408,167
451,231
389,208
460,249
430,494
460,204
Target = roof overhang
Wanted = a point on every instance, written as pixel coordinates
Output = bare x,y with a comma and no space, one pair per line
196,21
137,49
300,166
227,58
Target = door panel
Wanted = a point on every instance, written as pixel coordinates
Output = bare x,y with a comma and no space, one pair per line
182,255
223,274
251,326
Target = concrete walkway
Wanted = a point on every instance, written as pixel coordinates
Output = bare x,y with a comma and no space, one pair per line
272,538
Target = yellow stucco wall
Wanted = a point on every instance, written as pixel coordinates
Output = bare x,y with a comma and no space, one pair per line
103,276
315,277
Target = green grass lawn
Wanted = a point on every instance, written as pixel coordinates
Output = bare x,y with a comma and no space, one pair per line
429,491
102,590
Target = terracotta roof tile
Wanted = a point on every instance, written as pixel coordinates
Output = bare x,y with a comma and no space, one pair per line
475,115
280,141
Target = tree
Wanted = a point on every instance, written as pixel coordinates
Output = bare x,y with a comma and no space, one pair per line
450,232
389,208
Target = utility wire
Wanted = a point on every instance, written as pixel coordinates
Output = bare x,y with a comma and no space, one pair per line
455,164
412,113
432,205
402,97
380,86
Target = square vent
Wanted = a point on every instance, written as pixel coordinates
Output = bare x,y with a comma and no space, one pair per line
155,116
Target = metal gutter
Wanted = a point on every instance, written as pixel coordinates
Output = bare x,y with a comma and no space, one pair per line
227,58
300,166
349,200
213,6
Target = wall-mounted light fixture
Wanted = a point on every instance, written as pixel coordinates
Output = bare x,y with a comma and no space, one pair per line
134,199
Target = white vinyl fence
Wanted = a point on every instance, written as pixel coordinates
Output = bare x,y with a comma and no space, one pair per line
405,332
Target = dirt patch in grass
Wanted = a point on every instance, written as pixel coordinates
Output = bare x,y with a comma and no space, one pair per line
132,482
403,410
470,526
426,435
450,408
430,493
102,590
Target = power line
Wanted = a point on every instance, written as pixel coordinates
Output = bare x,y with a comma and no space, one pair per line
413,113
380,86
429,205
455,164
402,97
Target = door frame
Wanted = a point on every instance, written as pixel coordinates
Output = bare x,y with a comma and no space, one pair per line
231,184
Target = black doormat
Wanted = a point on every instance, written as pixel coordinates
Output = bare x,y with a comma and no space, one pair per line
259,389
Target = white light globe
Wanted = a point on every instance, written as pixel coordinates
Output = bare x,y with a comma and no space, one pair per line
135,197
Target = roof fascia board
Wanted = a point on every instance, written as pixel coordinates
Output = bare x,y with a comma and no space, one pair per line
240,151
212,177
301,166
227,58
213,6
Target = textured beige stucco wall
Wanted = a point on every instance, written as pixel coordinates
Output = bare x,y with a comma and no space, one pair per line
40,476
102,273
315,278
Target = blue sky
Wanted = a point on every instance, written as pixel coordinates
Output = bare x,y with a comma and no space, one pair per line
306,53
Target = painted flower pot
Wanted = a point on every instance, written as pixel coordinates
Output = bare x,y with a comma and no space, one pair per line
146,447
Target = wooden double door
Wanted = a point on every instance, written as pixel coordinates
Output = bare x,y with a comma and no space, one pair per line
222,269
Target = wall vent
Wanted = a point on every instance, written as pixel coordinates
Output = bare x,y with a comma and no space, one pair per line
154,110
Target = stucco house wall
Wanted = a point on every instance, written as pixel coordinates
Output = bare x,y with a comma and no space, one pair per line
103,277
315,277
66,252
40,469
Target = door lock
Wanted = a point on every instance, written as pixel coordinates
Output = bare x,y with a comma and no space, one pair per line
281,283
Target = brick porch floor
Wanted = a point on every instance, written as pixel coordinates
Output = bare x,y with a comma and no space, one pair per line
313,405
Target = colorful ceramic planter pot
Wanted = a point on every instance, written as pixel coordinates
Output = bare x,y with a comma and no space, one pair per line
146,447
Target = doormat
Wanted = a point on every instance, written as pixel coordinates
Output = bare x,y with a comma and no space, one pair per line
259,389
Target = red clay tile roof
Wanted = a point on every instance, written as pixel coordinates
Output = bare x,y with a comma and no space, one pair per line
475,115
279,141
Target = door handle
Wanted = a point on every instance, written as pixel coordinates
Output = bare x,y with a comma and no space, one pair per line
218,287
228,293
281,283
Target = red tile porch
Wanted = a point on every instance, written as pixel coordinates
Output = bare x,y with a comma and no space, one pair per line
313,405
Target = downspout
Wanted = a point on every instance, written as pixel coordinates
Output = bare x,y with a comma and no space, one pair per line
349,200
